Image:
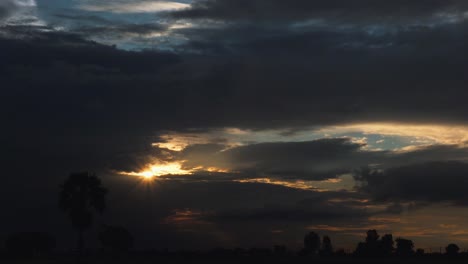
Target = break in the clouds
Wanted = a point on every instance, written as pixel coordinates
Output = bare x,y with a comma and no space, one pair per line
122,6
18,12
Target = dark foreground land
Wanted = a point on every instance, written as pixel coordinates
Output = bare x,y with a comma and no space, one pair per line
231,260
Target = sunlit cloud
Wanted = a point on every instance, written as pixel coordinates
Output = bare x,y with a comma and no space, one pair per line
361,229
159,169
318,186
178,142
421,133
133,6
303,185
184,216
163,168
26,2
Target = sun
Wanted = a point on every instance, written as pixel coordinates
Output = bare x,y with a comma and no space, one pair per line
158,169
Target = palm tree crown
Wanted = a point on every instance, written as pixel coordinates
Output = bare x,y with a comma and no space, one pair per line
80,194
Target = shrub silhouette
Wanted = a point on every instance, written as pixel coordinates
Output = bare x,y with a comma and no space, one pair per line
311,243
30,244
80,195
452,250
115,239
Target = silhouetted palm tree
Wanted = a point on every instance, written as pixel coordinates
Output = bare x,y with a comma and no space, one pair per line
80,195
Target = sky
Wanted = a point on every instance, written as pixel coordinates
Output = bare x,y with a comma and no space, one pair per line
238,123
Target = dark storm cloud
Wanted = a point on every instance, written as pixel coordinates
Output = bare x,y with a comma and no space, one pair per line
341,10
7,7
426,182
307,211
84,18
330,83
116,31
62,98
315,160
349,75
80,95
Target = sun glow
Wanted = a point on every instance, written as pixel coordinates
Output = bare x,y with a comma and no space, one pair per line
169,168
160,169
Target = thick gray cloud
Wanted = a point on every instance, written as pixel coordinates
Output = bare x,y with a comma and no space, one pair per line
329,83
139,29
100,27
341,10
426,182
7,7
315,160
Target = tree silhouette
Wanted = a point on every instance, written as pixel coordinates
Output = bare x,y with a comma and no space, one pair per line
373,247
327,248
312,243
80,195
452,250
386,245
404,247
372,236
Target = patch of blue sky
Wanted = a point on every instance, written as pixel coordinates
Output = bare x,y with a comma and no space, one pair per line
371,141
70,16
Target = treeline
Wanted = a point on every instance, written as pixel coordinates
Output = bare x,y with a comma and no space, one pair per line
373,246
117,241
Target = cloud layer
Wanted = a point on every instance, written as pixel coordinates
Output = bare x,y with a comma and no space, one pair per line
338,10
270,105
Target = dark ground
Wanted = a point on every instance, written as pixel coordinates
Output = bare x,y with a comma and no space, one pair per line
227,260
